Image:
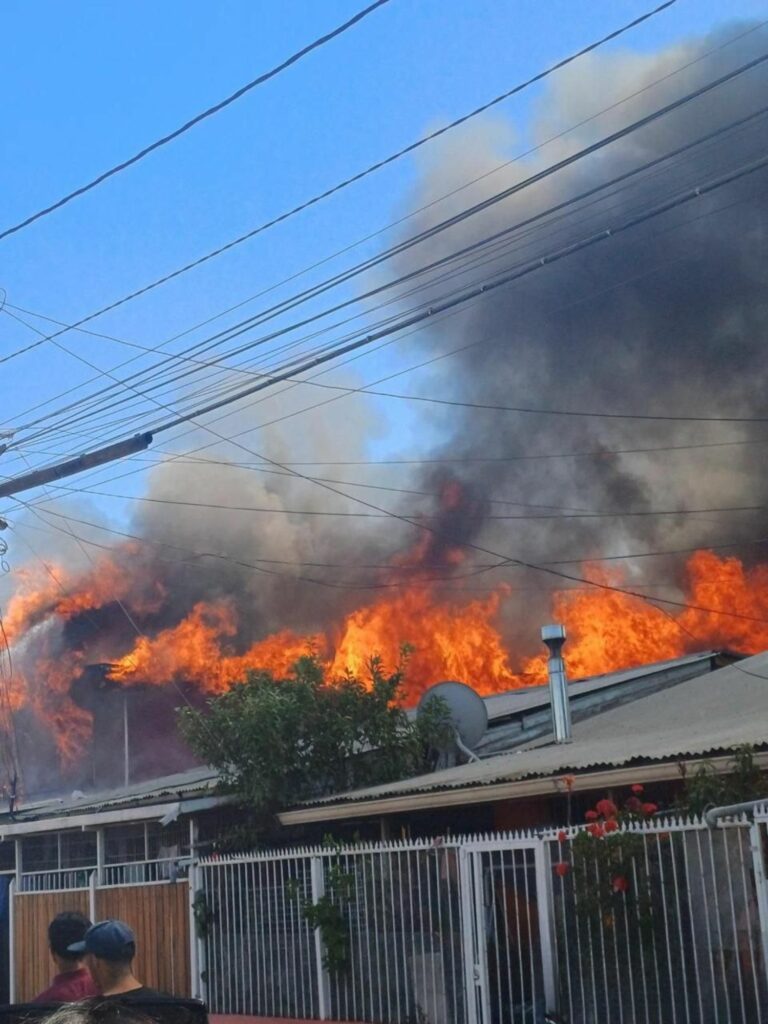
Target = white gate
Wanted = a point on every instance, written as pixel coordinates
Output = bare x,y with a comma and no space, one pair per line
509,962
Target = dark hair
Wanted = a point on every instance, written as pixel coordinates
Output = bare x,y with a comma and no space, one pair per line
66,928
115,1010
99,1011
125,960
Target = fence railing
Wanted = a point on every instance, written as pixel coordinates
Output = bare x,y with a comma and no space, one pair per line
677,938
145,872
55,881
484,930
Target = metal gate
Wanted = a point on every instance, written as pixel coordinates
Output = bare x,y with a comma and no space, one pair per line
508,952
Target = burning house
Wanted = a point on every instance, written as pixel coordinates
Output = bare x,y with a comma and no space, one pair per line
626,501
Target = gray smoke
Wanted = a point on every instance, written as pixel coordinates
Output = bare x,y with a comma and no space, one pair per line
668,318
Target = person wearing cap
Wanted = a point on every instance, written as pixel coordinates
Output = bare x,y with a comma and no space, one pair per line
108,949
73,981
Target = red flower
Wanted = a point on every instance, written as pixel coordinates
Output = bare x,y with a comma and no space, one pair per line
633,804
619,883
611,825
562,837
596,830
607,808
562,868
649,809
591,815
637,789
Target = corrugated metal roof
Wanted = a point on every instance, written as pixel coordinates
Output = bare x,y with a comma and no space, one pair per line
500,705
710,713
182,784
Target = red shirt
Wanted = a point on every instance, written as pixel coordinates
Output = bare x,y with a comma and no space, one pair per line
69,988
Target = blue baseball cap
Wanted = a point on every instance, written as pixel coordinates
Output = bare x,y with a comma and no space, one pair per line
107,940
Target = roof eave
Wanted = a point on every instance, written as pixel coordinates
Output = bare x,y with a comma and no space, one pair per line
550,785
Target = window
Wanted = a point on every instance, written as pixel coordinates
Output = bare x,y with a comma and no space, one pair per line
124,844
77,849
58,851
127,844
40,853
167,841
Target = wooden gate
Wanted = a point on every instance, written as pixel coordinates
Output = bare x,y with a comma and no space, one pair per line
157,913
32,913
159,916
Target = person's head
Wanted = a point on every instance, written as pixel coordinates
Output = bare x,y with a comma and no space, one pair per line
65,929
108,949
98,1011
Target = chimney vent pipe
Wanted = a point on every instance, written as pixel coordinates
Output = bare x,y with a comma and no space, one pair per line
554,638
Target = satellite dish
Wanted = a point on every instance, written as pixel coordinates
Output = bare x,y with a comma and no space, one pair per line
469,715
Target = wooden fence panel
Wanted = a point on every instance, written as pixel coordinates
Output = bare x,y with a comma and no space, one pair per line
33,913
159,915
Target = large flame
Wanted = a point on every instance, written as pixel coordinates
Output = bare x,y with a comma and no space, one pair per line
450,638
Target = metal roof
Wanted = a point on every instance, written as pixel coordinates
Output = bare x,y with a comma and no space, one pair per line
180,786
701,716
500,705
518,718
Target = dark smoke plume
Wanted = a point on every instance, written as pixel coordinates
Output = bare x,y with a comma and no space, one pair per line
668,318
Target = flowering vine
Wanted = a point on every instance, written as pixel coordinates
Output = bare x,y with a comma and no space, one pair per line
604,857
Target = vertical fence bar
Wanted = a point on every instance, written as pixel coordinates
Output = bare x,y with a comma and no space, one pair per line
761,888
403,932
505,906
665,914
747,913
716,897
12,940
734,921
394,932
481,944
323,989
92,913
466,888
416,936
546,923
194,972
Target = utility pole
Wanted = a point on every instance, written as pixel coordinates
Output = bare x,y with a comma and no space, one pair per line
89,460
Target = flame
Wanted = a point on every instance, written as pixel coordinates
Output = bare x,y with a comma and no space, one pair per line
451,638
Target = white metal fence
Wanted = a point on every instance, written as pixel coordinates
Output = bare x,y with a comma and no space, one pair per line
483,930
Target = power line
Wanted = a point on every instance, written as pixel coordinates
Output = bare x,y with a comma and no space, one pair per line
357,177
265,77
542,411
479,290
393,375
422,364
587,514
444,225
595,453
259,563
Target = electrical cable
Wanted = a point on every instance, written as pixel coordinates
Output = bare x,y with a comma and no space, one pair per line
367,171
452,221
215,109
454,351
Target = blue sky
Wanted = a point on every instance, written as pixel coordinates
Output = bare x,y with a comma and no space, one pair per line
89,83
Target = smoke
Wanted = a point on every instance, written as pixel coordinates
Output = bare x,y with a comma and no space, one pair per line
668,318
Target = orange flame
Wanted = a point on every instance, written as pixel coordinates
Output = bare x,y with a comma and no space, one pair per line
452,639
